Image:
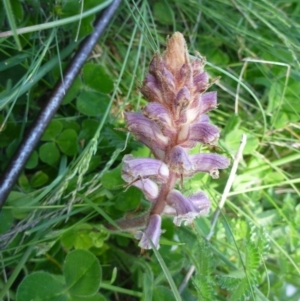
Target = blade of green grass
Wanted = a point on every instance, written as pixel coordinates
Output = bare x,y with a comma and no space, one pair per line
12,22
57,23
165,270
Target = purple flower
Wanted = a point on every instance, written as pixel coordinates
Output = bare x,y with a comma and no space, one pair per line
173,122
210,163
200,82
142,168
151,89
180,161
152,232
187,208
142,126
149,188
161,116
200,132
202,104
147,132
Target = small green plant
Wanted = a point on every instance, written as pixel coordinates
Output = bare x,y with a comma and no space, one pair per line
80,280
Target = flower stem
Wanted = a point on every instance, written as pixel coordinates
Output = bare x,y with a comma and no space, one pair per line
164,190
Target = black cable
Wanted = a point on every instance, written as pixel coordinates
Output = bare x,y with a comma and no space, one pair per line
29,142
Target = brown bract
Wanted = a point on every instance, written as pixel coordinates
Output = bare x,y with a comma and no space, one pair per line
176,53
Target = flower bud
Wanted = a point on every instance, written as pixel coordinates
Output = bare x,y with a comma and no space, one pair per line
200,82
153,232
151,89
146,131
182,100
161,116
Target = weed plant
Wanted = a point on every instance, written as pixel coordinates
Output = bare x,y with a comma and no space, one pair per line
53,239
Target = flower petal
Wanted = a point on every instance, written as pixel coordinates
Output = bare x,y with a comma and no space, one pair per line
183,98
153,232
148,187
156,111
141,168
151,89
146,131
208,101
201,202
200,82
161,116
187,209
198,65
167,83
179,160
203,132
156,147
210,163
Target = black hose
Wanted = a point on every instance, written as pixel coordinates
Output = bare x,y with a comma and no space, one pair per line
29,142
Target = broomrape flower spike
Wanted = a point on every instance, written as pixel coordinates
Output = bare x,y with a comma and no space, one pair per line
172,123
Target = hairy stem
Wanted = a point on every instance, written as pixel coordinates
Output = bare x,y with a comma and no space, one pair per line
165,189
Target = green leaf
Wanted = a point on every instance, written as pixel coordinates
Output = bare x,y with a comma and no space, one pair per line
274,96
162,293
73,91
67,142
24,183
112,179
17,9
82,273
39,179
68,238
163,13
89,127
115,137
219,57
73,125
232,124
83,236
74,7
33,161
10,132
10,150
83,240
13,61
40,286
97,297
86,27
281,121
94,163
148,285
128,200
6,220
52,130
98,238
49,153
78,237
268,217
92,103
233,141
96,78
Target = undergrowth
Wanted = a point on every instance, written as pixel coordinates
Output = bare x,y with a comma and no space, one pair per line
53,235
